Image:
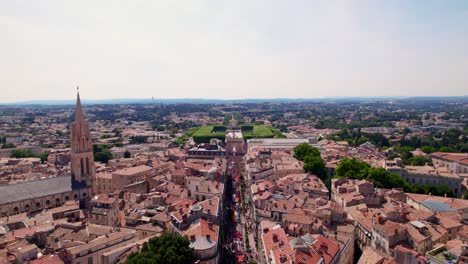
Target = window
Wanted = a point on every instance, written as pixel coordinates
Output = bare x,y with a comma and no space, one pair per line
87,166
82,167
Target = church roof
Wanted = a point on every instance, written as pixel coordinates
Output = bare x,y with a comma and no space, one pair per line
35,189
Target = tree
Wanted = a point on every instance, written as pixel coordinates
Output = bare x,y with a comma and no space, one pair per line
446,149
103,156
43,157
314,165
352,168
8,145
102,153
418,161
21,153
138,139
428,149
127,154
303,150
167,249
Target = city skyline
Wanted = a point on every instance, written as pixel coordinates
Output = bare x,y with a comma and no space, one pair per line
233,50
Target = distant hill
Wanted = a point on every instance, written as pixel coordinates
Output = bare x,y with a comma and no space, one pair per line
226,101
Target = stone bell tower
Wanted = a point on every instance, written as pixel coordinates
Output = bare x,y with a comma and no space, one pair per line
83,171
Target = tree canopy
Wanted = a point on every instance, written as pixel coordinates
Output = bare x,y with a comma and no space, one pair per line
8,145
102,153
303,150
167,249
356,169
313,162
22,153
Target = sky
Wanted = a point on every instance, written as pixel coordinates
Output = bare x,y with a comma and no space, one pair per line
232,49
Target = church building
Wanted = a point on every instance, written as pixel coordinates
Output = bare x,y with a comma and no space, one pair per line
52,192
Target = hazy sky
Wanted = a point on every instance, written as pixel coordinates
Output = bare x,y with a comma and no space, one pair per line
232,49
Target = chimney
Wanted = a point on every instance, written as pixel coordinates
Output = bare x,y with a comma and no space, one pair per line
275,238
324,248
380,220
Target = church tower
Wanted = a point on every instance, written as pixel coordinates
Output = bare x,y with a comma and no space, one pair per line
83,171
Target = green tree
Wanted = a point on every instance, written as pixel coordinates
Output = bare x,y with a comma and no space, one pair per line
167,249
352,168
102,153
418,161
303,150
315,165
103,156
21,153
428,149
127,154
8,145
446,149
43,157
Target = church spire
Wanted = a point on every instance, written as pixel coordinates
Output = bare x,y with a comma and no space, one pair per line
81,155
79,116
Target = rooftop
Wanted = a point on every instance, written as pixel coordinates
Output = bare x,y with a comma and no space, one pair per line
33,189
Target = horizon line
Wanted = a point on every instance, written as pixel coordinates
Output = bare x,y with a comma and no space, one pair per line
150,99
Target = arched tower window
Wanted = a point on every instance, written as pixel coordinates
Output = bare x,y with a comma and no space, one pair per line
87,166
82,167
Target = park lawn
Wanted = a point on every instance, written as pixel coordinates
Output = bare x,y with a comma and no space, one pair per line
205,133
259,131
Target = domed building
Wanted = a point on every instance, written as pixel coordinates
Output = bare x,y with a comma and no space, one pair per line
203,236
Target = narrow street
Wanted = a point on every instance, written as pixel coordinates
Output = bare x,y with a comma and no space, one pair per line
239,244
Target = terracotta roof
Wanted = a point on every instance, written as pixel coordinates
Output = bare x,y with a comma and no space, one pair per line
389,227
372,256
415,234
48,259
202,234
326,247
455,157
133,170
448,223
275,238
300,219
